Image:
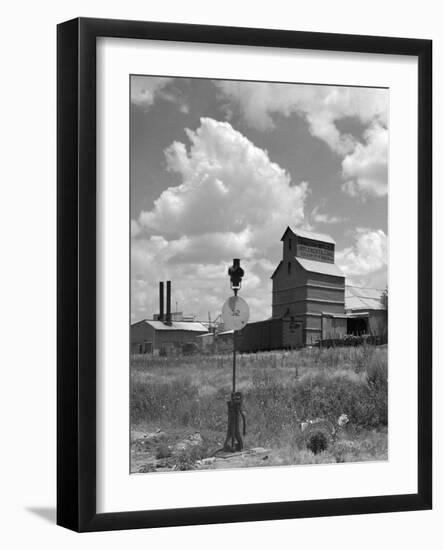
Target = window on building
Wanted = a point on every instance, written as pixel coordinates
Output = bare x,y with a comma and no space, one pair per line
289,268
290,244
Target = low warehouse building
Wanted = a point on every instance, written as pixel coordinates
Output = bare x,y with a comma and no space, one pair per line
160,338
206,342
270,335
163,335
216,342
366,311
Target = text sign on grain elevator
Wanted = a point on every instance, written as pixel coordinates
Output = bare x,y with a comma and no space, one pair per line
319,252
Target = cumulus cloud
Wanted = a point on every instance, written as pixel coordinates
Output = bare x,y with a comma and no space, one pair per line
317,216
146,89
366,260
364,164
135,228
366,168
228,184
232,201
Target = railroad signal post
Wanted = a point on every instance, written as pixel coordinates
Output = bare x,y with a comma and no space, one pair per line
235,315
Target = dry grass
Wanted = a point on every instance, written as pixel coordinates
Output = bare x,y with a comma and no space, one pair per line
280,389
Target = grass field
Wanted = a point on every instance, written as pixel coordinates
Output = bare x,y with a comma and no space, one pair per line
175,400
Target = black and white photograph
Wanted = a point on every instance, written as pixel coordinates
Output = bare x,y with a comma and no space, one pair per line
221,275
259,288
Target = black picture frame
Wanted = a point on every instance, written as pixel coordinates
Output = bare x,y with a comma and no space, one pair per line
76,265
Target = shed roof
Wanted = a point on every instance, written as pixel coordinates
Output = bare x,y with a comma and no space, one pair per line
192,326
206,335
320,267
358,298
322,237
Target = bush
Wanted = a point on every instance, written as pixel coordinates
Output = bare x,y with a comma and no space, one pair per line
317,443
345,450
163,451
187,458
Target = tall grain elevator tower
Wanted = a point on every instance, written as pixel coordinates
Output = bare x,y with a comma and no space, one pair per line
308,287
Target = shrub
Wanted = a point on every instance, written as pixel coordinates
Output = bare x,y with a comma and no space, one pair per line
163,451
317,443
187,458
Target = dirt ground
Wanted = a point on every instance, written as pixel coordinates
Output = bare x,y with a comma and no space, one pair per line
161,451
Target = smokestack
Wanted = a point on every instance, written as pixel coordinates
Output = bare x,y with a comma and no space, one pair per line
162,305
168,302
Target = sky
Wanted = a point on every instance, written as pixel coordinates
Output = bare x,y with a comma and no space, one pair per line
220,168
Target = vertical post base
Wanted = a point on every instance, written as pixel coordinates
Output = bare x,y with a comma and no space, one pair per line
234,441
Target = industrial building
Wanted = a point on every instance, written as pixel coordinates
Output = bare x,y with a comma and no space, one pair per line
311,303
164,334
308,286
157,337
366,311
216,342
310,299
283,333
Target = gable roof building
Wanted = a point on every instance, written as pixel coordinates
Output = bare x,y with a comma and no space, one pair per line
148,336
308,284
165,334
309,288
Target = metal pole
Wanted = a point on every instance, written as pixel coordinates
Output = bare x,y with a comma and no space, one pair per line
321,336
234,353
234,360
234,441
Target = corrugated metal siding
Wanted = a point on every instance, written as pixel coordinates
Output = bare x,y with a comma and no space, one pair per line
357,298
190,326
288,288
261,336
378,323
269,335
328,280
320,267
336,293
334,327
292,335
286,295
322,237
325,307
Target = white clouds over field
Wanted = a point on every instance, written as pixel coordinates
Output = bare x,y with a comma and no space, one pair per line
227,185
230,202
364,263
366,168
219,169
364,162
145,91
